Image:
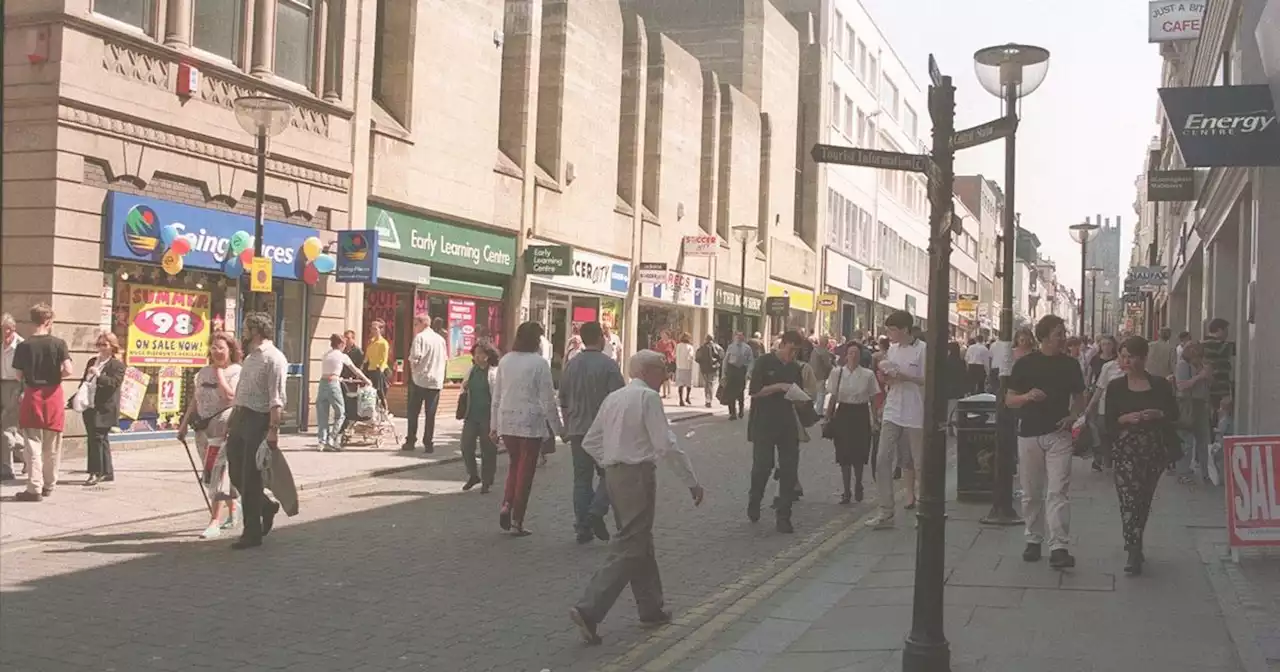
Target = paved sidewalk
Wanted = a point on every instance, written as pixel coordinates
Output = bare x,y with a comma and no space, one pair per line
158,482
852,610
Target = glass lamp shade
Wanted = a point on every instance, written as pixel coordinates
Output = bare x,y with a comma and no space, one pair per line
744,231
1020,65
1083,232
263,114
1093,272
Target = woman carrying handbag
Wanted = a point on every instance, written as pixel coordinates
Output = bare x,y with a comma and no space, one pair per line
207,415
98,398
851,389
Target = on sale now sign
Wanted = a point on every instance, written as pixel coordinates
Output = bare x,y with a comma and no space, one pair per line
1253,490
167,327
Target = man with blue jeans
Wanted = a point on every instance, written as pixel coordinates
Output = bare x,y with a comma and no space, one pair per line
587,379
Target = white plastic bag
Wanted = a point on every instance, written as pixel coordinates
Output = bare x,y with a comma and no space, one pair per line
366,401
83,398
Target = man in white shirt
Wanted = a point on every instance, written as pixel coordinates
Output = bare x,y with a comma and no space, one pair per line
978,358
902,420
11,440
426,364
612,346
629,435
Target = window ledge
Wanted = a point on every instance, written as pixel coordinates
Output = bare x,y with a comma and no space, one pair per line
382,123
505,165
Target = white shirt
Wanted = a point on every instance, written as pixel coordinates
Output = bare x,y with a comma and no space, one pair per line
427,358
632,428
7,372
684,356
1001,358
1110,371
978,354
852,387
262,379
524,398
613,349
904,404
332,363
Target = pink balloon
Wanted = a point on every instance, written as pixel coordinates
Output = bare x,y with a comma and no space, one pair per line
246,257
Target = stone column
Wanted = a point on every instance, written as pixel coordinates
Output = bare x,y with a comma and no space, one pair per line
1195,300
331,88
320,37
177,30
264,38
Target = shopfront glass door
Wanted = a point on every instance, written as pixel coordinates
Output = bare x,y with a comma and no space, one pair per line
288,306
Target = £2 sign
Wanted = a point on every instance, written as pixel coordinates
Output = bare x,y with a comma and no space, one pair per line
1253,490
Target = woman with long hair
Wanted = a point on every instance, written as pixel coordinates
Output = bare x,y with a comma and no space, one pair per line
103,375
1141,412
1107,350
851,388
1024,342
1103,367
684,369
1193,377
215,392
524,414
477,386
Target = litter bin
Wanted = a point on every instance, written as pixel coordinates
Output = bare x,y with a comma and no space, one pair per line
975,447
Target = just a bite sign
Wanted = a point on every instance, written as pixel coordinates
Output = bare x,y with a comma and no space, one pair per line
1173,20
1252,464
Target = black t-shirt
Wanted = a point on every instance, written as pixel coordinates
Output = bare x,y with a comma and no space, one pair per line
772,417
40,359
1059,377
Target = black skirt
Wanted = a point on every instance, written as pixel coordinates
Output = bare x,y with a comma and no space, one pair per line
851,433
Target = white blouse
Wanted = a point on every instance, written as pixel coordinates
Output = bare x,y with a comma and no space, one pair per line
684,356
524,398
858,386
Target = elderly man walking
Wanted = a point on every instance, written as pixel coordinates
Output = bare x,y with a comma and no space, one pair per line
629,435
11,441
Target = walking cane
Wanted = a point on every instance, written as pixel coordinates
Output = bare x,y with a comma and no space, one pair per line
199,482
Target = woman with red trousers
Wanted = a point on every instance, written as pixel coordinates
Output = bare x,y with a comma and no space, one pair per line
525,415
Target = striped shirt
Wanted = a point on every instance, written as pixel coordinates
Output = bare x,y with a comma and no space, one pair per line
586,381
1219,355
262,379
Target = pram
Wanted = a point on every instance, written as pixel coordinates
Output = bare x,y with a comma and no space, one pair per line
373,422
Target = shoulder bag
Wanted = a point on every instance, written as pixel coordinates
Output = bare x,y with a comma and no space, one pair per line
460,413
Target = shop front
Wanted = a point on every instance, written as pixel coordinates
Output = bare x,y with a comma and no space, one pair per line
453,273
172,276
736,310
676,306
569,287
856,289
800,315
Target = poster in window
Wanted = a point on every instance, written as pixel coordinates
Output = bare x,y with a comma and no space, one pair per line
460,337
132,390
381,305
169,390
167,327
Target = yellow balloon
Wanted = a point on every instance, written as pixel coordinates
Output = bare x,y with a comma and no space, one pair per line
311,248
171,262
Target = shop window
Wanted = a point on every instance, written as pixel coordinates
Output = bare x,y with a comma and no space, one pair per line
295,40
137,13
393,58
464,321
217,27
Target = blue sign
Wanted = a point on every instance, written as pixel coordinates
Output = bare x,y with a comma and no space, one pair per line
619,278
358,256
134,224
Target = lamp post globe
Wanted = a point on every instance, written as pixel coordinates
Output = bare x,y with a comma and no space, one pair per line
743,232
1082,233
262,117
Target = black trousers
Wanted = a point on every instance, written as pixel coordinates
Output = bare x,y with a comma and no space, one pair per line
246,430
977,378
735,385
422,399
762,464
379,380
99,448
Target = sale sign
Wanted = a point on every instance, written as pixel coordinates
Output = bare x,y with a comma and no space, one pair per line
1253,490
132,389
167,327
169,390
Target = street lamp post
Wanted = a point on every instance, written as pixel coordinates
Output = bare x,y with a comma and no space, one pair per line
1083,233
1093,272
1009,71
744,233
873,277
262,117
1106,308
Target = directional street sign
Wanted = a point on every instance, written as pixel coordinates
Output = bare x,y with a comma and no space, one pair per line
872,158
992,130
934,73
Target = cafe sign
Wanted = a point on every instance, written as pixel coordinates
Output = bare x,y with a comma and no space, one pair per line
729,298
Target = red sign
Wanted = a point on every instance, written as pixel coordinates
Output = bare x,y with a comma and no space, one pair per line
1253,490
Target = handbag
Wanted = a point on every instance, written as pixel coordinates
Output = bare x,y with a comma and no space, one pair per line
828,426
461,412
200,424
82,400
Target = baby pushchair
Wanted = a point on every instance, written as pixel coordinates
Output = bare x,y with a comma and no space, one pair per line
372,423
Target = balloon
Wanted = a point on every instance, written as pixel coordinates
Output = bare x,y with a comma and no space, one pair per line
180,246
168,234
246,257
325,263
310,275
233,268
240,240
311,248
171,262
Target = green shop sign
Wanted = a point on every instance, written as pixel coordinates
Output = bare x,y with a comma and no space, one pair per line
432,241
728,297
549,259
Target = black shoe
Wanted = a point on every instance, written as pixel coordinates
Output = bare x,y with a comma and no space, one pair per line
46,492
585,537
25,496
471,483
1031,553
733,416
504,519
857,493
246,542
897,473
1061,559
586,627
107,478
1133,566
662,618
598,528
797,493
753,511
1097,466
484,488
269,517
429,449
93,480
784,525
846,497
408,445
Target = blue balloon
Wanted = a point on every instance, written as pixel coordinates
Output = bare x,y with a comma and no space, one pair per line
325,263
232,267
168,234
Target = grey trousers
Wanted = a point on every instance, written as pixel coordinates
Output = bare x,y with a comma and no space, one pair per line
633,492
11,439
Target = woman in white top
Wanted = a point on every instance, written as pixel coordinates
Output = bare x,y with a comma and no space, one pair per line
684,369
215,390
851,389
329,397
524,415
1097,410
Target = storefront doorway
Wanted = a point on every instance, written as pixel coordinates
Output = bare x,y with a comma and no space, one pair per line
287,305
